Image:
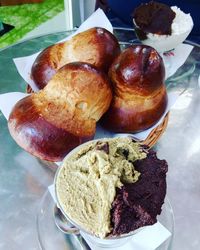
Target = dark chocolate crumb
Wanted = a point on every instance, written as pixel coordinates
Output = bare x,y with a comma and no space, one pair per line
124,152
141,34
138,204
104,146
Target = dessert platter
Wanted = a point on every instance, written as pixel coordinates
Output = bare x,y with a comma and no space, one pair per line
100,81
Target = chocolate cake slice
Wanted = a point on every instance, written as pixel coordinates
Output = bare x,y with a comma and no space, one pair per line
138,204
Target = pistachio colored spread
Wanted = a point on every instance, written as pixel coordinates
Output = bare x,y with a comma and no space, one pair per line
87,181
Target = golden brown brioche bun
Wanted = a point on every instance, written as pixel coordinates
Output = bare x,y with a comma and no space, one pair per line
50,123
140,97
96,46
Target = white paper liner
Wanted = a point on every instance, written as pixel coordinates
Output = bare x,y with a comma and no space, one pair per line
8,101
177,58
149,238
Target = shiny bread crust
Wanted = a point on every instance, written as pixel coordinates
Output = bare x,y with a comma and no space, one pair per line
96,46
36,135
140,97
63,115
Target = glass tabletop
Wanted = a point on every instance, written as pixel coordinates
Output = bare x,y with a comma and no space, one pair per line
24,180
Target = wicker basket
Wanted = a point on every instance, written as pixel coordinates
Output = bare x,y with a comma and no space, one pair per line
157,132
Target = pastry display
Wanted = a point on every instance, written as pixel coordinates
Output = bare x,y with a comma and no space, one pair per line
161,26
139,93
111,187
96,46
52,122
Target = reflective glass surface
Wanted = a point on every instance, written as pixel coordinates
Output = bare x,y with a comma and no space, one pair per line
24,179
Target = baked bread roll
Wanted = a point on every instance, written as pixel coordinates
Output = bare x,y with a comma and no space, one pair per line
96,46
140,97
50,123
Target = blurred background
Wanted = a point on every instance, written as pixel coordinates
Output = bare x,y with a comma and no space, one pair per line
23,19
